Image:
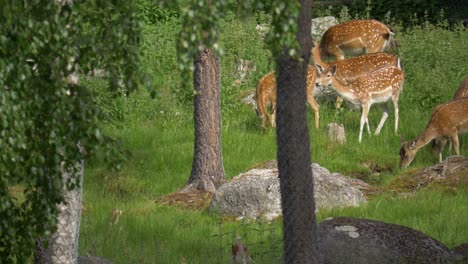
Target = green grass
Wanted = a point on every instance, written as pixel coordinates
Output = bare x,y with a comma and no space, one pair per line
158,134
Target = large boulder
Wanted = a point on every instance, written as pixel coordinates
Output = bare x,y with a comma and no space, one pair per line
256,193
351,240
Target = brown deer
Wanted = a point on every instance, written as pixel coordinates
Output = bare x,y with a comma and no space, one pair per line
378,86
266,97
348,70
438,144
447,120
355,37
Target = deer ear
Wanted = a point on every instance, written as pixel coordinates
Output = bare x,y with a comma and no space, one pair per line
319,68
334,69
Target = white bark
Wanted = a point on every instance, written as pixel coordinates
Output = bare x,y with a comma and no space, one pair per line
63,245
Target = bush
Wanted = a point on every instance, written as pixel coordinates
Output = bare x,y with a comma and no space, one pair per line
405,10
150,13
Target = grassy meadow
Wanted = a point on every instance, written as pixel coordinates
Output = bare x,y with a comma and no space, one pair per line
157,132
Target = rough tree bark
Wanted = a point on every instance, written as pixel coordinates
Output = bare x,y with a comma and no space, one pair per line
62,246
297,198
207,167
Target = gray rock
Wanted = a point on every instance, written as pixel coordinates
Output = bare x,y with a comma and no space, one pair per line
321,24
256,193
351,240
336,133
461,252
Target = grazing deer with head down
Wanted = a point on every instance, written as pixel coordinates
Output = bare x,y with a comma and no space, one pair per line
266,96
378,86
447,120
438,144
355,37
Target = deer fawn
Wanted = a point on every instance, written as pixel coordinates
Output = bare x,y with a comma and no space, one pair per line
438,144
378,86
447,120
355,37
266,96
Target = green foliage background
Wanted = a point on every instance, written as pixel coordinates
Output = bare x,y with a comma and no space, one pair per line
45,120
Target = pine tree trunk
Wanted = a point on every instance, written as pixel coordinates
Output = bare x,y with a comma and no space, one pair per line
207,167
296,183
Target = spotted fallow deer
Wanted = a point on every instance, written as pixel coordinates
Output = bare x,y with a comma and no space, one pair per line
348,70
355,37
378,86
447,120
266,97
438,144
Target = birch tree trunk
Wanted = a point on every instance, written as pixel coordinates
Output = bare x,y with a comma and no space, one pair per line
62,246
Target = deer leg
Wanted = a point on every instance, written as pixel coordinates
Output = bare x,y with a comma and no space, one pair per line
383,119
395,107
273,118
264,117
339,102
314,105
456,145
263,121
440,155
337,52
368,126
365,112
438,145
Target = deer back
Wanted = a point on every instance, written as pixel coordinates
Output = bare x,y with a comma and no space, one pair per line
379,80
266,89
356,36
462,90
349,70
450,116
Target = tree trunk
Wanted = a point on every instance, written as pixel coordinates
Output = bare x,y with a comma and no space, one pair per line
207,167
62,246
297,196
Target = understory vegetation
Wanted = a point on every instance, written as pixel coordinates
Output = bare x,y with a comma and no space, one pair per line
154,127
